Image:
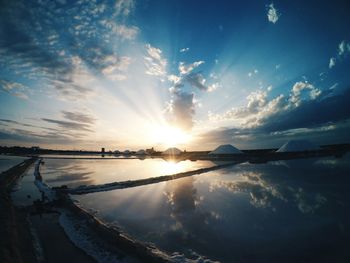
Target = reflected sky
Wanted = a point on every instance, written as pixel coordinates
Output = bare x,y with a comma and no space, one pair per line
294,211
25,192
6,161
75,172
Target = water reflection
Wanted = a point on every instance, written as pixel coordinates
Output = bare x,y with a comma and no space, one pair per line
75,172
282,212
267,193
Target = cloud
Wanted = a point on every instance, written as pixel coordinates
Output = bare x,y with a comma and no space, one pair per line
126,32
332,62
79,117
75,121
272,14
197,80
182,106
13,123
124,7
114,67
186,69
343,48
69,125
296,94
155,63
325,119
14,88
183,50
72,129
182,109
260,109
342,52
42,42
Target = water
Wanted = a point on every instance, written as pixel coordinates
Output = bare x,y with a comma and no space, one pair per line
8,161
25,192
288,211
75,172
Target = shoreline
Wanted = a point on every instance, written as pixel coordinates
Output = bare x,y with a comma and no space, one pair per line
24,233
15,237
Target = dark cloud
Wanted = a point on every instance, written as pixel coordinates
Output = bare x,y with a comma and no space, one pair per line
44,40
182,108
13,136
313,113
197,80
2,121
69,125
323,120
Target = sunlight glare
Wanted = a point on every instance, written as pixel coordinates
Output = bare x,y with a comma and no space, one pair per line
170,136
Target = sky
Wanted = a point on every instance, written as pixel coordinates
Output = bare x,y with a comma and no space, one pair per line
129,74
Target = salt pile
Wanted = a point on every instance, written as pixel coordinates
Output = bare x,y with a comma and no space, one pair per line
298,146
226,149
172,151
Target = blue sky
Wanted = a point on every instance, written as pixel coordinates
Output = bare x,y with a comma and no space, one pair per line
195,74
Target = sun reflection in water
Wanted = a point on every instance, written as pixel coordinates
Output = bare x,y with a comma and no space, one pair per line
173,167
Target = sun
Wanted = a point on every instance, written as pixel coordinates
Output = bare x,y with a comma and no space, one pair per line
170,136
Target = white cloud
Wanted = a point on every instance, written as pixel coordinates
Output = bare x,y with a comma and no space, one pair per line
296,96
184,49
343,48
213,87
343,51
332,62
155,63
186,69
272,14
259,108
173,78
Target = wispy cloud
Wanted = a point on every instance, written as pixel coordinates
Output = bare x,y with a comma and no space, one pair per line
14,88
272,14
124,7
343,48
183,50
332,62
155,63
69,125
342,52
186,69
79,117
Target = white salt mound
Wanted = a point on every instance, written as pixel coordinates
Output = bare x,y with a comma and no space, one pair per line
226,149
298,146
172,151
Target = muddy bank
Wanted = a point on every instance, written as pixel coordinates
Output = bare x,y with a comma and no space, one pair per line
15,238
115,241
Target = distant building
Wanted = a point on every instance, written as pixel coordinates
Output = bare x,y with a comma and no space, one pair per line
150,151
102,150
35,148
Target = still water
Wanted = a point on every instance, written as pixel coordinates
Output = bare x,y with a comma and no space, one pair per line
286,211
76,172
8,161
